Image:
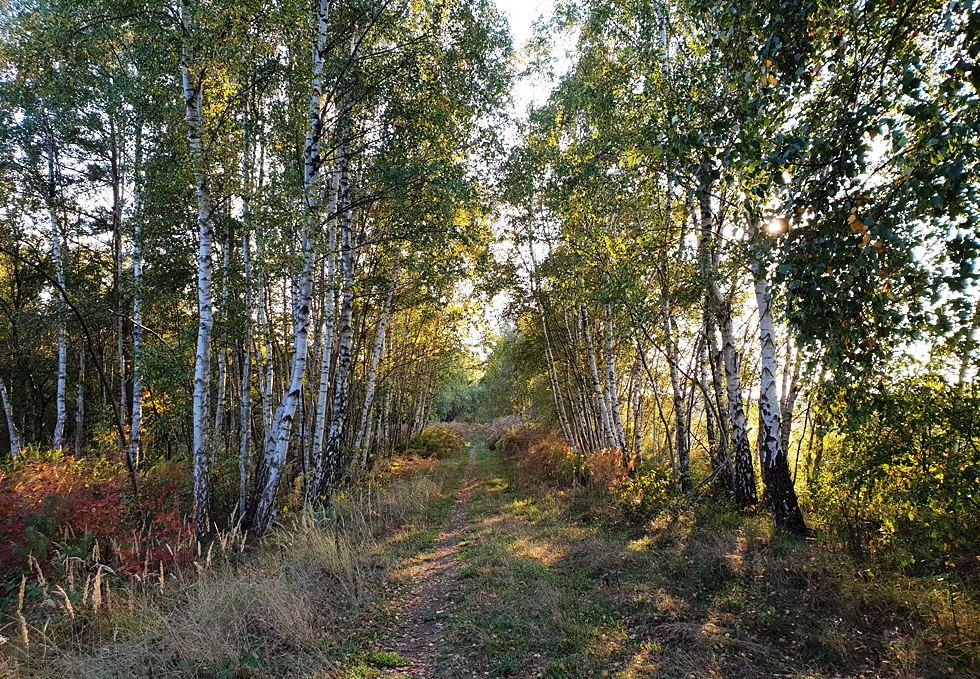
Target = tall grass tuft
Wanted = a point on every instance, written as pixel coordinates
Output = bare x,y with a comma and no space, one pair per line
293,603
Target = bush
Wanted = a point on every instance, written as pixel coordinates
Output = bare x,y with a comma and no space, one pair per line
44,500
901,475
645,494
550,460
464,430
436,441
500,427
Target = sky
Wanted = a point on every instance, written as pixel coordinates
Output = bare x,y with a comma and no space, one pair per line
521,14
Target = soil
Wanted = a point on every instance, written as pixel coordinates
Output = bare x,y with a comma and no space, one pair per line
420,634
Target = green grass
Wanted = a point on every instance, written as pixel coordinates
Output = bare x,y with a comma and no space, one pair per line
387,659
553,586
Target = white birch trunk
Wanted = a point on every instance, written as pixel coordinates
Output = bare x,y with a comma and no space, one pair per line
780,493
681,439
323,393
372,373
637,378
613,392
275,455
339,412
556,385
790,392
732,421
137,416
117,207
244,447
274,460
15,444
80,403
193,97
245,408
219,410
59,424
606,425
266,366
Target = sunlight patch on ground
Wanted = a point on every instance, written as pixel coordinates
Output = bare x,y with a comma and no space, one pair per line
536,550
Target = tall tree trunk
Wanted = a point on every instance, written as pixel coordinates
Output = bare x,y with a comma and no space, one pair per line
789,393
717,451
15,444
681,430
137,418
194,99
323,394
339,411
219,410
266,364
369,395
734,448
275,456
59,424
117,208
611,389
780,494
555,384
80,403
637,410
606,424
245,408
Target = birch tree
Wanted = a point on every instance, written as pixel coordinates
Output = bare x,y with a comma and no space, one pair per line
193,84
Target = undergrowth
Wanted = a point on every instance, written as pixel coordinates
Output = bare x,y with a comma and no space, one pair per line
557,582
309,599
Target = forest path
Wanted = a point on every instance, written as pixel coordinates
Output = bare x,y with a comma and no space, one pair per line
529,581
420,635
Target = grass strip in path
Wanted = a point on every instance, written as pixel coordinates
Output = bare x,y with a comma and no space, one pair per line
419,635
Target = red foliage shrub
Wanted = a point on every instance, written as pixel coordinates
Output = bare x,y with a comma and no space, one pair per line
45,498
66,503
550,460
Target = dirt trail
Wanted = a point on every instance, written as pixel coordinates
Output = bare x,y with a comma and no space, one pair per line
419,636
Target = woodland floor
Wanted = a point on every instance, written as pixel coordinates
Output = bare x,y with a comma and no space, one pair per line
462,568
534,582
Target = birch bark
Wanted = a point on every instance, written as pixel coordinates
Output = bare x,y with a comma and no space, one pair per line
15,445
137,416
338,416
719,311
606,425
245,411
369,396
219,410
789,393
611,389
80,403
681,437
637,411
780,494
117,208
59,425
194,100
275,455
323,393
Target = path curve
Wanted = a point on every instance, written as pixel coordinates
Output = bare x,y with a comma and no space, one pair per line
419,636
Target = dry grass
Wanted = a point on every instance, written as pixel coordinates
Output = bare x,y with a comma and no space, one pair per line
301,602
